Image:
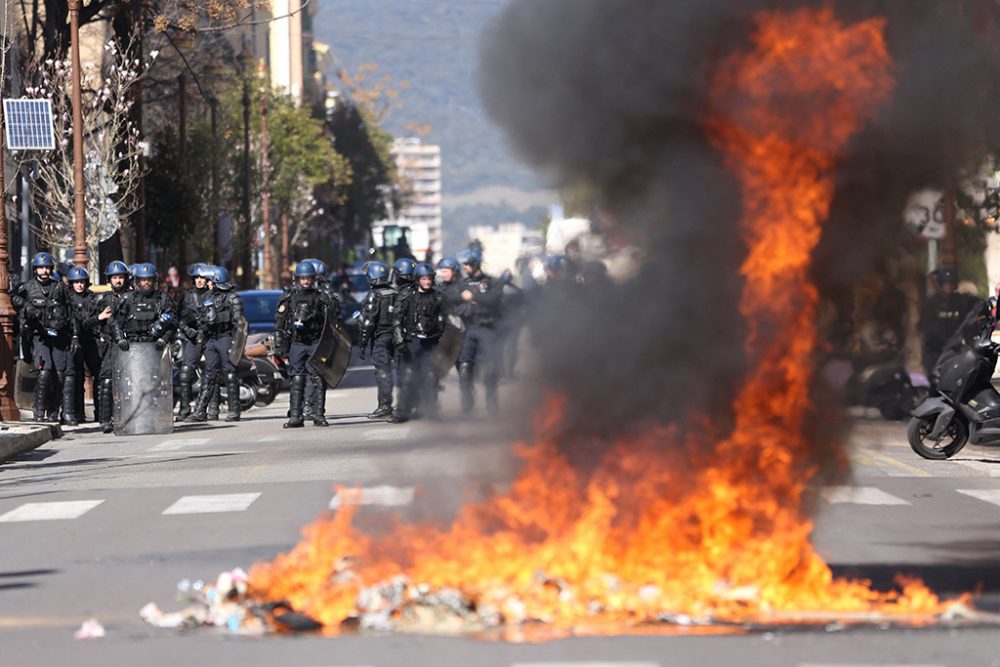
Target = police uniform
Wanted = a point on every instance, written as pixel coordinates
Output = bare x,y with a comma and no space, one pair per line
299,325
47,318
481,315
418,328
144,317
105,340
189,325
378,317
316,386
88,350
221,314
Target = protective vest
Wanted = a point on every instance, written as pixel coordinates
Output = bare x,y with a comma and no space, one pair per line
47,307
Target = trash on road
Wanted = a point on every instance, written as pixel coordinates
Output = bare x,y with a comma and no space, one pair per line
222,604
90,629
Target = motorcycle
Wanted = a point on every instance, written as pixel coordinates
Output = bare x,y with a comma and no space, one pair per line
246,372
965,407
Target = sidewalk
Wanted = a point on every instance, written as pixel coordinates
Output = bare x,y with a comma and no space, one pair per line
18,438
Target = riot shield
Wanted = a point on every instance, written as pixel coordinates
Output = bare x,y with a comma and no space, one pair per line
333,353
143,390
25,376
239,341
450,344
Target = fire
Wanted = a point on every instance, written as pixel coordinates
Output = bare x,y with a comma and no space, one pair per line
669,524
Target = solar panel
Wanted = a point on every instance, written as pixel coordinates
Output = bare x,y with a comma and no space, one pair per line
28,124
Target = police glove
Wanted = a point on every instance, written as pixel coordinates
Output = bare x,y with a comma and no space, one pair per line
123,345
160,344
74,345
199,340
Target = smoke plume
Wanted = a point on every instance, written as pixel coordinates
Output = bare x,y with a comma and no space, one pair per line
611,95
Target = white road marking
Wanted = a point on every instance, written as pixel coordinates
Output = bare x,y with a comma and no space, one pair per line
225,502
398,433
991,469
50,511
174,444
859,495
585,664
388,496
867,664
271,438
986,495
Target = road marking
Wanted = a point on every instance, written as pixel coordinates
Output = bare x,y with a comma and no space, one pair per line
398,433
986,495
272,438
585,664
50,511
178,443
388,496
867,664
859,495
989,467
877,459
225,502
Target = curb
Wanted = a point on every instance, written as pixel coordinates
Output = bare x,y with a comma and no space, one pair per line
16,439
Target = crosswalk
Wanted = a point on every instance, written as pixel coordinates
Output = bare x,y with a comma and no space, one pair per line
395,497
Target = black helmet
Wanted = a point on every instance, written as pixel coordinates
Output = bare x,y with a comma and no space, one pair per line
404,269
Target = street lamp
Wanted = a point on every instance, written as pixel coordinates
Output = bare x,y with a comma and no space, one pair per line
245,61
80,211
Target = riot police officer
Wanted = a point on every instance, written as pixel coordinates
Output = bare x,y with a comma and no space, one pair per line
189,324
480,310
316,386
221,313
88,352
512,313
403,272
449,281
144,315
942,315
378,317
417,329
47,318
298,327
117,274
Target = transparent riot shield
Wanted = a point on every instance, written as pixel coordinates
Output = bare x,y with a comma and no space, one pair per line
239,342
143,390
333,353
450,345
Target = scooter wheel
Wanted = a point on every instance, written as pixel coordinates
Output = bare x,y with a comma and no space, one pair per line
951,442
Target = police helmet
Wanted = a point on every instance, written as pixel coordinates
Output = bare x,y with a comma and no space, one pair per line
145,270
132,268
197,270
507,277
471,257
78,273
423,270
404,269
65,268
305,269
43,259
449,263
377,273
320,266
220,276
947,277
116,268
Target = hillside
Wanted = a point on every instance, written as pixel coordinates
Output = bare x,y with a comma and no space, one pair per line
433,45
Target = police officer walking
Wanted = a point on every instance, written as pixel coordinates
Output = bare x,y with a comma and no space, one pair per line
46,314
315,401
88,349
298,327
117,274
378,318
221,315
189,311
418,327
480,310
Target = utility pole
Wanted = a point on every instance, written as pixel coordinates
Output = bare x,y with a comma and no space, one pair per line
244,239
265,195
8,404
182,161
213,207
80,210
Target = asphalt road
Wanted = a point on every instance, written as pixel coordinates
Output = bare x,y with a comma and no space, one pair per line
97,526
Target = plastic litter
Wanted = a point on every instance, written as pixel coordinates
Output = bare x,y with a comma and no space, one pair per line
90,629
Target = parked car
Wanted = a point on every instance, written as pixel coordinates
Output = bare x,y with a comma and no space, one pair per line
260,307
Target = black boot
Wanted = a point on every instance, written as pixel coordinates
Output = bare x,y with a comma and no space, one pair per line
185,378
296,397
213,404
43,389
232,397
69,400
407,393
200,414
319,403
383,379
466,382
105,397
310,400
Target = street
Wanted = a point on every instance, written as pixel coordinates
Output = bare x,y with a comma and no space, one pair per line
98,526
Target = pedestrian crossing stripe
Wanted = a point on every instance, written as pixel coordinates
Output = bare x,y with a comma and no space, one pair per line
986,495
53,511
175,444
386,496
227,502
859,495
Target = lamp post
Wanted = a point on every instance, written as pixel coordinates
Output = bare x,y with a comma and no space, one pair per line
79,203
8,405
265,195
245,60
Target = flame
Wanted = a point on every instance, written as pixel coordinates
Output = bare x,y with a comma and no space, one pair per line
671,524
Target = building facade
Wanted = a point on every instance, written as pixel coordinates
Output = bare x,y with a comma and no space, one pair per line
418,223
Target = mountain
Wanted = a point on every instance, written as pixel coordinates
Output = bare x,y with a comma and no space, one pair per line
433,45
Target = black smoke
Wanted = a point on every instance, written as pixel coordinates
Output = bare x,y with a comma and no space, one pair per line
611,95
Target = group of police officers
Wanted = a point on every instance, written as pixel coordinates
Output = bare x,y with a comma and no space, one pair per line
64,328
